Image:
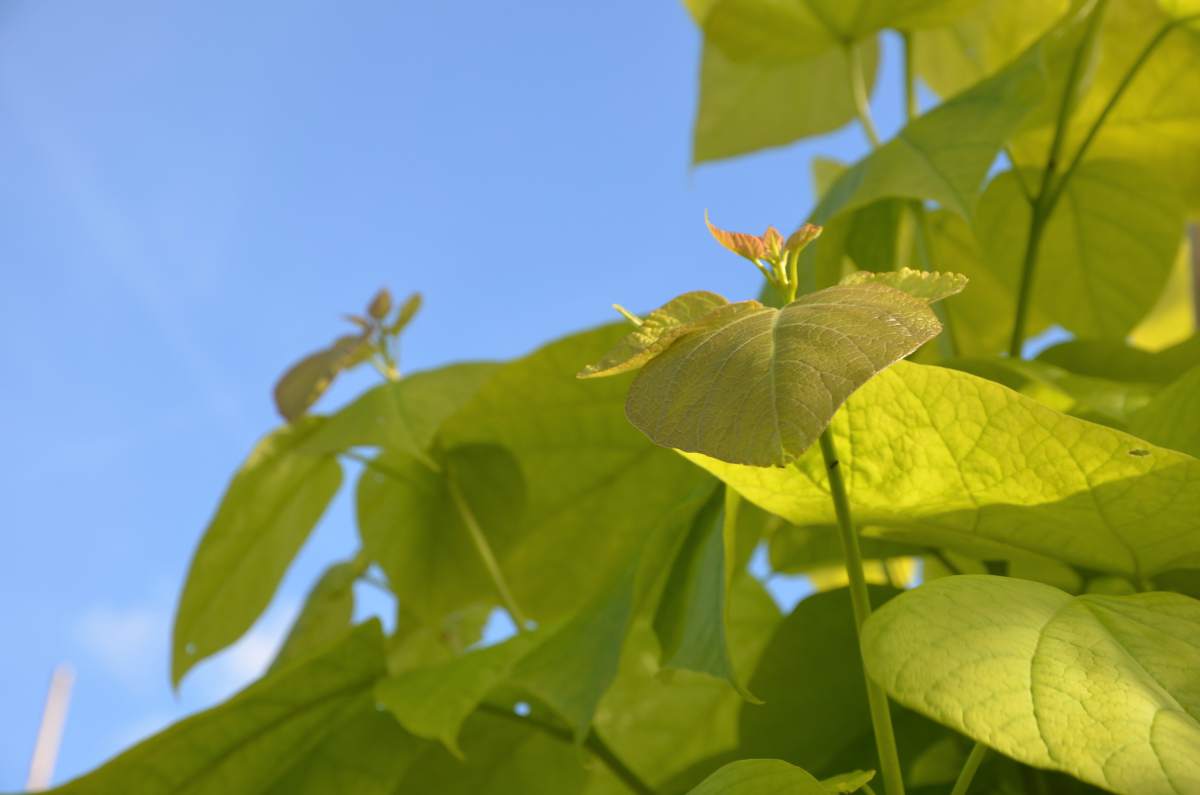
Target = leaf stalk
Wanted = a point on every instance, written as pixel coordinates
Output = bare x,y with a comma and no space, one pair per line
967,774
860,599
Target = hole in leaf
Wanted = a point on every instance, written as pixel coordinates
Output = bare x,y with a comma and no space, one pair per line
1139,452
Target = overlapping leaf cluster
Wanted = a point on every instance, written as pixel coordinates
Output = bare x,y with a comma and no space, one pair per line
1051,505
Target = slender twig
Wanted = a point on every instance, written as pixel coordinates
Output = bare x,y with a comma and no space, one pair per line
593,743
858,90
974,760
1042,206
860,599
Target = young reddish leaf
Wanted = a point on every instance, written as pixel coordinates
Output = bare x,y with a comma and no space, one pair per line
752,247
799,239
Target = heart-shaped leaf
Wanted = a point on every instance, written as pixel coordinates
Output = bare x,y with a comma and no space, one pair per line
751,384
760,777
1106,688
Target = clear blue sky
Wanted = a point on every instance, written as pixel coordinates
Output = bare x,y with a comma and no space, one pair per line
193,193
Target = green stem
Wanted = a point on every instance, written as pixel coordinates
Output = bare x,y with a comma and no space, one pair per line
858,89
881,717
484,549
594,743
911,107
1118,92
1042,202
974,760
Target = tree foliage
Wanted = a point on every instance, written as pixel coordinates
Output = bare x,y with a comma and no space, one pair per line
870,414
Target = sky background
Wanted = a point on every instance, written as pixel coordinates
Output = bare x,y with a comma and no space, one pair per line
193,194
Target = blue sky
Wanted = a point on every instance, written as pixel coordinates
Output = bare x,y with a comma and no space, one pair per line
194,192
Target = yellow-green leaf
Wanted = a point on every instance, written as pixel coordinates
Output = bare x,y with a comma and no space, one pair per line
1105,688
305,381
1172,417
760,777
925,285
658,330
756,385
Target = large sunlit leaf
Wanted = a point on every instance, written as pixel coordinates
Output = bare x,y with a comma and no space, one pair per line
760,777
756,385
415,522
595,486
946,459
247,743
1106,688
1106,251
1172,418
266,514
744,107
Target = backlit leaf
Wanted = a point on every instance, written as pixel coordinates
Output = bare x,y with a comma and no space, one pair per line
413,522
731,93
595,486
327,615
756,385
1102,687
265,516
1106,251
246,743
945,459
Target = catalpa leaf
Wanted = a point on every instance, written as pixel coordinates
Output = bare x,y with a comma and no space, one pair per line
326,616
946,459
246,743
658,330
1115,360
755,385
760,777
848,782
1107,248
1105,688
265,515
567,666
595,487
1172,417
693,611
732,92
414,519
926,285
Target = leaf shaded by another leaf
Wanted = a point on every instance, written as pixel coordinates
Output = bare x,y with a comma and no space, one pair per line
595,486
305,381
412,524
246,743
568,667
942,458
926,285
1102,687
692,616
760,777
1111,240
658,330
327,614
756,385
1172,418
1115,360
265,515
